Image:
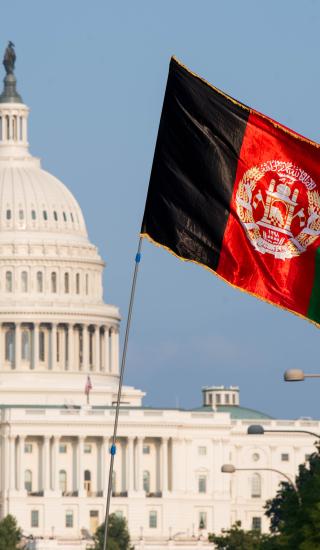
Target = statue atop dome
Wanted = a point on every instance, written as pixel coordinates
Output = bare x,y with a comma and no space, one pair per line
9,58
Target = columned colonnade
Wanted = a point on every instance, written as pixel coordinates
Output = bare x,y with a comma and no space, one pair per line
47,465
60,346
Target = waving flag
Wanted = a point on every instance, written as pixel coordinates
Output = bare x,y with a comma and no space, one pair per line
238,193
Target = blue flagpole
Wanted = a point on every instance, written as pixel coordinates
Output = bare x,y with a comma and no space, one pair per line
116,418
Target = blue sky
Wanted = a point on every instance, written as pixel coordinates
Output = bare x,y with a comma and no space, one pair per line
94,76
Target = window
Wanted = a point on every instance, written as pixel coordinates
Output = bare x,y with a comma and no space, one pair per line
202,451
28,481
87,480
66,283
285,457
307,457
227,399
33,214
202,520
55,215
9,281
63,481
53,282
87,284
39,281
64,216
25,345
233,399
58,346
41,345
71,216
45,215
9,343
24,281
28,448
255,457
202,484
146,449
87,448
90,348
153,519
146,481
69,518
8,214
256,486
78,283
218,399
21,214
34,518
210,398
114,481
62,448
256,524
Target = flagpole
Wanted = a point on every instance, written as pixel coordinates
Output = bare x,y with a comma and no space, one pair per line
123,363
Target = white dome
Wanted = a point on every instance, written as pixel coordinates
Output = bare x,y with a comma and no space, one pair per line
32,200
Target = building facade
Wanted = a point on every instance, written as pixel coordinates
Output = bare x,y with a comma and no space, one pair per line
55,331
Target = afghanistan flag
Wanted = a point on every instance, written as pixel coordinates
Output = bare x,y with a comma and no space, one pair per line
238,193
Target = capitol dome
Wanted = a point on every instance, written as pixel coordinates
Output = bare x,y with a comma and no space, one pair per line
55,329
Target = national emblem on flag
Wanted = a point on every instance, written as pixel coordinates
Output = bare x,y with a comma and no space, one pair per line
237,192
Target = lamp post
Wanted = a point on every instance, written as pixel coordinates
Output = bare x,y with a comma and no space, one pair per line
297,375
231,469
257,429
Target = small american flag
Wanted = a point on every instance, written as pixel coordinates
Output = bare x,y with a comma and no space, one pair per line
88,386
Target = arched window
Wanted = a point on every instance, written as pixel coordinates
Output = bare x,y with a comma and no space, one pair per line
8,214
9,342
9,284
64,216
66,283
256,486
146,481
87,480
78,283
24,281
41,345
21,214
45,215
53,282
55,215
39,281
63,481
33,214
25,345
90,347
28,481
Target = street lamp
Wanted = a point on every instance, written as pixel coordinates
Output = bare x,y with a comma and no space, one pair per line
231,469
257,429
297,375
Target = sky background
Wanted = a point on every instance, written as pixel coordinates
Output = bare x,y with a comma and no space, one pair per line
94,74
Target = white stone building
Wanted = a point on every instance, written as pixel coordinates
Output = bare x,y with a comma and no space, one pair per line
55,330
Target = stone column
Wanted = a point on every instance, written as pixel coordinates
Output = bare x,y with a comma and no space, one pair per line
46,463
35,345
114,350
106,350
53,346
20,464
130,464
71,363
85,347
17,345
164,460
96,362
12,465
80,465
139,471
55,464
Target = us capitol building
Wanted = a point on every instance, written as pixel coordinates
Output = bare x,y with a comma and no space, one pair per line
55,330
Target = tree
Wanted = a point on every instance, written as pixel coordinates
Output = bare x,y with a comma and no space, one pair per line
238,539
118,535
295,514
10,533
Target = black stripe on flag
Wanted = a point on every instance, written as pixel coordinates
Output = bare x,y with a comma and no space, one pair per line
194,167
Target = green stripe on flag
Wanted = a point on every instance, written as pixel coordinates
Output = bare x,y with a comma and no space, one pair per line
314,304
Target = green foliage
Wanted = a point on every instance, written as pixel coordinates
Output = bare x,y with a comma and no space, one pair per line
118,535
238,539
295,515
10,533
